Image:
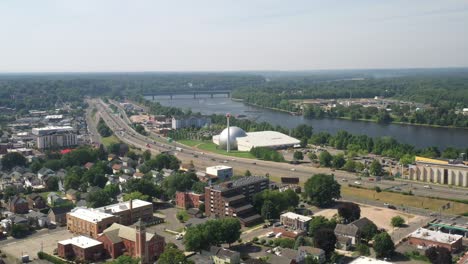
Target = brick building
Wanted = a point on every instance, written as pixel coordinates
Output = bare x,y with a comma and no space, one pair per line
133,241
233,199
88,222
189,199
129,212
80,247
425,238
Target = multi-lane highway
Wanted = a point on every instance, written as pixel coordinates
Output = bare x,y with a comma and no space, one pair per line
119,123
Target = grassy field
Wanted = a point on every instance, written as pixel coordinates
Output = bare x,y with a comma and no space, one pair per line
212,147
406,200
107,141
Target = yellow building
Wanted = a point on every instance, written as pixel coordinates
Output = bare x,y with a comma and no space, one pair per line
439,171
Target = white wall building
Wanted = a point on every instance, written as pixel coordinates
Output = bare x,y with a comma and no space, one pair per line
220,171
56,141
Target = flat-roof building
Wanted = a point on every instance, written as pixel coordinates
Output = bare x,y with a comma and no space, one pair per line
220,171
80,247
295,221
40,131
240,140
425,238
233,199
88,222
129,212
439,171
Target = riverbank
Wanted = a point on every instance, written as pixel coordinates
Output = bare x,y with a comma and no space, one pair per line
347,118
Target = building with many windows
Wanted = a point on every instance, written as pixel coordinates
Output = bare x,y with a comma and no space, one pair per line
295,221
84,221
53,141
450,172
80,248
192,121
233,199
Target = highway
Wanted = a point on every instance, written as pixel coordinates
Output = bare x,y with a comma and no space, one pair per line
275,170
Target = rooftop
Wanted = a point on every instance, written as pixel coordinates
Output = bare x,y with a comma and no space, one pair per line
218,167
123,206
367,260
266,139
89,215
436,236
243,181
81,241
292,215
52,128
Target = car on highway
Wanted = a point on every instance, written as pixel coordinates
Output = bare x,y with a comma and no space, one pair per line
427,187
397,188
357,182
344,180
293,169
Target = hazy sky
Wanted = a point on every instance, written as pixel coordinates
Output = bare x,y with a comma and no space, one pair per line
198,35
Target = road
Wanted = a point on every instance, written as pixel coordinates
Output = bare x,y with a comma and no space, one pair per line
95,137
202,160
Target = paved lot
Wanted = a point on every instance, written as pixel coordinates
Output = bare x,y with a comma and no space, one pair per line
45,239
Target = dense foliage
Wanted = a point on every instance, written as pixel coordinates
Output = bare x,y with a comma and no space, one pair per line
270,203
322,190
212,232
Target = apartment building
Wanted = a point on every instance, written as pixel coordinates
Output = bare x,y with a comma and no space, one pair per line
233,199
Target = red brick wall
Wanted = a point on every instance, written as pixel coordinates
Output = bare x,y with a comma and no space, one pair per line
426,243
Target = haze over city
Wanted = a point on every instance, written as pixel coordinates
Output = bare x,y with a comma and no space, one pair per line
88,36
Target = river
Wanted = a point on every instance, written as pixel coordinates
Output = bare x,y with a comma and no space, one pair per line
419,136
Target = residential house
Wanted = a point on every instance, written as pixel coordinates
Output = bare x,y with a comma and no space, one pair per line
316,253
128,170
37,219
72,195
18,205
53,199
58,215
124,178
116,168
224,256
88,165
36,201
352,230
42,173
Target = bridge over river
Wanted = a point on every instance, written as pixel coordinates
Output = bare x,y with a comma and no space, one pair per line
171,95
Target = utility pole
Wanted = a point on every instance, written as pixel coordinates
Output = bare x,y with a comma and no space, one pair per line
228,147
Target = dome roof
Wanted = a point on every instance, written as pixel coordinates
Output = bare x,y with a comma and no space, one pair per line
234,133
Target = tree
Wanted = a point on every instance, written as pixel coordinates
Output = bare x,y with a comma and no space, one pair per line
112,190
13,159
199,187
350,165
383,245
304,142
320,222
322,189
300,241
98,199
146,155
407,159
268,210
312,156
325,158
18,231
212,232
326,240
135,195
247,173
349,212
363,249
8,192
338,161
124,259
397,221
172,255
52,184
298,155
302,131
369,231
438,255
102,153
375,168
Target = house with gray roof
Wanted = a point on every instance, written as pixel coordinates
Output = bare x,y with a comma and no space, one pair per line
352,230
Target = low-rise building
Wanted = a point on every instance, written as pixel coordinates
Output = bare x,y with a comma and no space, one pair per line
295,221
18,205
220,171
89,222
129,212
135,242
221,255
451,172
316,253
36,201
189,199
352,230
58,215
368,260
81,248
425,238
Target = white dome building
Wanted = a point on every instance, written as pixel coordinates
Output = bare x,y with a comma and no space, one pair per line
234,133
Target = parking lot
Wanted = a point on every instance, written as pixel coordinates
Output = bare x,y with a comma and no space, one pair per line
44,239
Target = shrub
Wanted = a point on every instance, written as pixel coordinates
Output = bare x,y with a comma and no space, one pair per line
255,239
55,260
262,241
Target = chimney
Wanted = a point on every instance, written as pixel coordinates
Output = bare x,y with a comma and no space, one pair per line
131,210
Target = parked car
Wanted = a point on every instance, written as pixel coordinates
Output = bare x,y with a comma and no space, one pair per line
270,234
